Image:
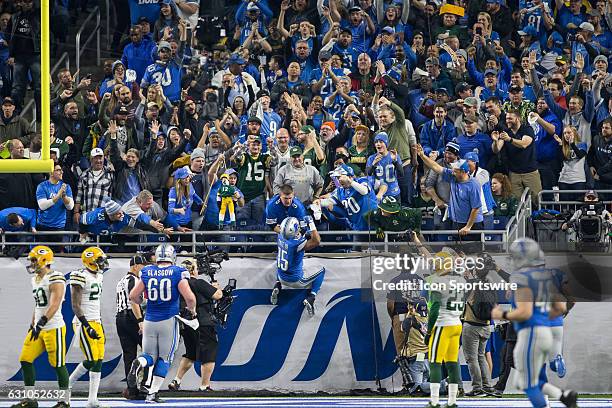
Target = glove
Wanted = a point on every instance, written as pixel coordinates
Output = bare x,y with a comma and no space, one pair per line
426,339
91,332
380,234
187,314
38,328
309,221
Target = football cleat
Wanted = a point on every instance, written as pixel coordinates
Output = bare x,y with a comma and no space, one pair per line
153,399
174,386
569,399
205,389
309,305
430,405
560,366
275,293
132,378
26,403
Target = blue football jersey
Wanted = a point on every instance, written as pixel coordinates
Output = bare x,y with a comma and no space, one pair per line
168,76
339,104
355,204
161,291
540,281
290,258
97,223
54,216
385,172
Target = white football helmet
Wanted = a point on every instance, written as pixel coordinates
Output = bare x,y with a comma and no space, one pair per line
525,252
165,253
290,228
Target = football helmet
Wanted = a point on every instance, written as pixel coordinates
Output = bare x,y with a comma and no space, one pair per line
525,252
290,228
39,257
165,253
94,259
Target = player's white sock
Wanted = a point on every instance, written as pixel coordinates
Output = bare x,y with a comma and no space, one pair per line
552,391
156,385
547,401
76,374
435,393
29,389
66,396
94,384
177,380
452,393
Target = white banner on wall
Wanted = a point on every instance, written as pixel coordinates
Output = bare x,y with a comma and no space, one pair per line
346,345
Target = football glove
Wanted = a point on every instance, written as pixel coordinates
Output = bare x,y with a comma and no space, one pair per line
38,328
380,233
91,332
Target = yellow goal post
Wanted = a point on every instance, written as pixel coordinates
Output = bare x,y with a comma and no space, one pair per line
45,165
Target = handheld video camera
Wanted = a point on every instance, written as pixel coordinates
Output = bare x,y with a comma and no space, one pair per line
209,263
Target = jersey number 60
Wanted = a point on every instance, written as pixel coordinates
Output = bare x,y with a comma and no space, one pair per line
159,290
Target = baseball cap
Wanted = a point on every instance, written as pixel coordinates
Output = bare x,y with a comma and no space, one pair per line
472,156
138,260
528,30
254,119
8,101
230,171
152,105
181,173
346,30
587,27
120,110
470,101
490,72
163,44
461,165
262,92
143,19
388,30
306,129
493,1
96,152
295,151
470,119
256,138
432,61
252,7
354,9
441,90
453,148
363,127
515,89
383,137
235,59
389,204
462,87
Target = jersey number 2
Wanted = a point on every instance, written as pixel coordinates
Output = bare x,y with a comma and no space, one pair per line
159,290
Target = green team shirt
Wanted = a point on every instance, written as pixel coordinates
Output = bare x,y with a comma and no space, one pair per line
359,159
227,191
406,218
310,158
252,175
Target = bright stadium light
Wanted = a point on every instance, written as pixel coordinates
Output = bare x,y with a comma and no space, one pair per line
45,164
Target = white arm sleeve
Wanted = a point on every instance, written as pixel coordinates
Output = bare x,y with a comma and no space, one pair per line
45,203
360,188
70,204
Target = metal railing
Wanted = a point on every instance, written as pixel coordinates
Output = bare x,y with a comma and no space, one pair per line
565,205
108,34
95,32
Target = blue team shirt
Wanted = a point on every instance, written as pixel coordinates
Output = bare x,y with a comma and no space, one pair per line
96,222
328,85
144,8
361,39
463,198
540,281
161,291
27,214
385,172
183,219
169,76
276,211
55,216
355,204
290,258
349,55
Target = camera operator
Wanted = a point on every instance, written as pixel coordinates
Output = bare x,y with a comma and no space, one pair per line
200,344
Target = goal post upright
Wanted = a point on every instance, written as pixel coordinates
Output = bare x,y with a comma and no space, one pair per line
45,165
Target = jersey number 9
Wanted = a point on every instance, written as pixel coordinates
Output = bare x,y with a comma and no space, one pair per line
159,290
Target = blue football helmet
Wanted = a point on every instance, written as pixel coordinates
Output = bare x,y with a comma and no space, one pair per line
165,253
290,228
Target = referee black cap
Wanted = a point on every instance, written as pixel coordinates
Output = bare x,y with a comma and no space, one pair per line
138,260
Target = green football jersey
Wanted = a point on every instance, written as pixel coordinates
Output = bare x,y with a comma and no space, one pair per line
252,175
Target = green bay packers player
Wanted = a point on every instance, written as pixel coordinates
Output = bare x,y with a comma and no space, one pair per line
444,328
47,331
86,291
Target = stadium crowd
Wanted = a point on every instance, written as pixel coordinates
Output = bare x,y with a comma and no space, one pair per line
351,111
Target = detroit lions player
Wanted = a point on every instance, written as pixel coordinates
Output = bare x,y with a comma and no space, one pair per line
555,358
162,284
534,303
290,260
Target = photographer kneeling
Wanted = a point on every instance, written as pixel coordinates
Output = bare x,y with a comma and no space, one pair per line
201,344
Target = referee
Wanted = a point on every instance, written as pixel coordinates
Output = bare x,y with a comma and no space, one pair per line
130,317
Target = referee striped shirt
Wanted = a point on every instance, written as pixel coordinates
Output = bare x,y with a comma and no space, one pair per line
124,287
